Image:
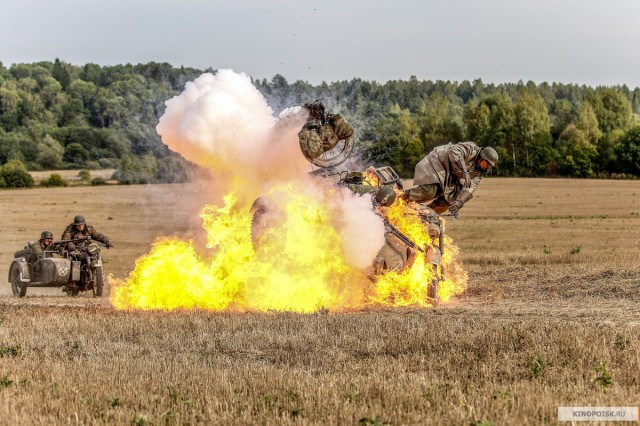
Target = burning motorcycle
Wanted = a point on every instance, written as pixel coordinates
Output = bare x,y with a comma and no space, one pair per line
74,270
411,256
399,252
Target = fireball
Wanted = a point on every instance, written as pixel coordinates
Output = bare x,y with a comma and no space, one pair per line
314,255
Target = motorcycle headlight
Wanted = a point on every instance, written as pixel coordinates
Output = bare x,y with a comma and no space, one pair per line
93,248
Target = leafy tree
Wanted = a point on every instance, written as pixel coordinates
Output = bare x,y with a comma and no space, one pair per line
577,152
396,142
113,110
50,90
135,170
50,153
490,123
75,153
61,73
9,107
97,181
612,108
28,85
609,144
532,130
15,175
92,73
17,146
55,180
440,122
84,175
587,122
628,152
635,102
74,114
172,169
561,115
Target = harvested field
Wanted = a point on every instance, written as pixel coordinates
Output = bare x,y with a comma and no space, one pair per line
551,318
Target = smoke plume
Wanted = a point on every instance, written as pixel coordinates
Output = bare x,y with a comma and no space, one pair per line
223,123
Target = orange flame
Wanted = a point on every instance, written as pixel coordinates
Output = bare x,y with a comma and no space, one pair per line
300,266
410,286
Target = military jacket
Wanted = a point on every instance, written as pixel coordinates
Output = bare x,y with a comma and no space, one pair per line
440,167
70,233
35,250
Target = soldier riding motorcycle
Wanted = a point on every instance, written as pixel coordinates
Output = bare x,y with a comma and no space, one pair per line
75,270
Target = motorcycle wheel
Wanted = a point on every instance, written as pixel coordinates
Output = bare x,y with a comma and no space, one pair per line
98,288
335,156
18,288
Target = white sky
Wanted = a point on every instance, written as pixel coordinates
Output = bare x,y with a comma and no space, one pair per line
570,41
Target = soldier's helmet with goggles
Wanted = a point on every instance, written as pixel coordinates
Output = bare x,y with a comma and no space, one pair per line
46,235
490,155
78,220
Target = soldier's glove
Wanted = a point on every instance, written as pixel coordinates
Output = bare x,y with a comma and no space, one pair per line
467,180
71,246
108,244
455,207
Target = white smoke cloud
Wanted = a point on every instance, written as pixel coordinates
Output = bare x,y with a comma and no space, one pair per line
362,230
217,120
222,122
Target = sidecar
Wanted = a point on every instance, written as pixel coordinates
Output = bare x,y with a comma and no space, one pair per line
48,271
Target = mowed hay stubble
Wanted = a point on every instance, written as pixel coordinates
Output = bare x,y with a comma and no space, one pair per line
550,318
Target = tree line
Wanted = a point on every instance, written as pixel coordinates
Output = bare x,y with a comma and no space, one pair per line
537,129
54,115
57,115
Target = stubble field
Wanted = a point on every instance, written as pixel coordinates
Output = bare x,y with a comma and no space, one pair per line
551,317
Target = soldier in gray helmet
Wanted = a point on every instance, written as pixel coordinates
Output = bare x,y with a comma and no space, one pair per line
34,249
80,229
448,176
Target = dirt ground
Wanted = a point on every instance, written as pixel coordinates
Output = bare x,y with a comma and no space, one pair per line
551,317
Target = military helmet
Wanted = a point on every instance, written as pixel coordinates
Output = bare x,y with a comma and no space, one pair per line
386,196
490,155
46,234
78,220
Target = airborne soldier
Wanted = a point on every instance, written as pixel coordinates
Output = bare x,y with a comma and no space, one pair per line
321,133
79,229
450,174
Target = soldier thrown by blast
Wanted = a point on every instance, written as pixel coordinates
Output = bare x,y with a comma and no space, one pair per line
448,176
322,131
79,229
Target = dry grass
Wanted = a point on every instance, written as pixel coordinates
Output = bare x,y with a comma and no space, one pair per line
551,318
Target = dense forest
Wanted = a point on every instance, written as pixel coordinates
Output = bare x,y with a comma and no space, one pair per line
56,115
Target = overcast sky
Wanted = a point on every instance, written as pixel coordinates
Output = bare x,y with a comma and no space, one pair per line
570,41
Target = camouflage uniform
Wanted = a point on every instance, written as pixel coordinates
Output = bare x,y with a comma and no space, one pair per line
438,175
71,233
322,131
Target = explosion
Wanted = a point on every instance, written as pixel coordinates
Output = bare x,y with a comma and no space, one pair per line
308,247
